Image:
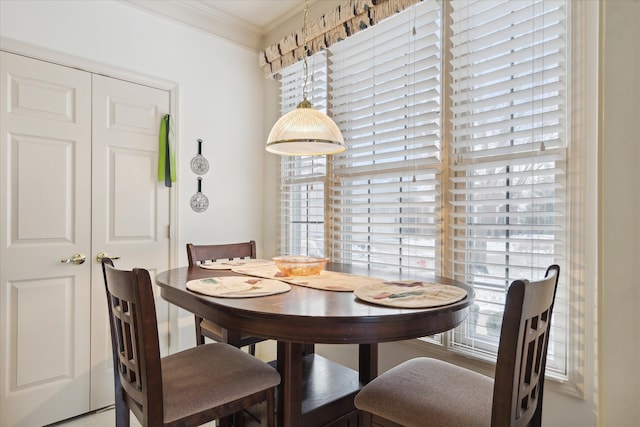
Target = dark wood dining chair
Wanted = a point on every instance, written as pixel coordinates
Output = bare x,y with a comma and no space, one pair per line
187,388
200,253
430,392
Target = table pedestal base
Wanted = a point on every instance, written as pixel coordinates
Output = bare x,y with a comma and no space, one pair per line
328,389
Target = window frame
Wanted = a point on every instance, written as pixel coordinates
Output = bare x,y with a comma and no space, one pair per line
575,286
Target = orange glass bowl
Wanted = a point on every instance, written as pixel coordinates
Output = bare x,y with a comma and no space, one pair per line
300,265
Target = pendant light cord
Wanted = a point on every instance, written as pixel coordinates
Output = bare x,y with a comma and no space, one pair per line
306,49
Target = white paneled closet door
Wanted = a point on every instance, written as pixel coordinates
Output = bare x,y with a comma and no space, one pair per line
130,208
46,216
77,177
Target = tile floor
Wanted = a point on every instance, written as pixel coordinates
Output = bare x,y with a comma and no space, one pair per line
102,418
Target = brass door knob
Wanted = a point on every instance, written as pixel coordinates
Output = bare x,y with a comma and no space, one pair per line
75,259
105,255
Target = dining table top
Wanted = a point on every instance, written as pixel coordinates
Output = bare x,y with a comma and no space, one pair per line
308,315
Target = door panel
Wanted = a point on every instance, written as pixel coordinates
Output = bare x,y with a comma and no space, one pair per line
45,202
38,302
130,207
131,170
43,186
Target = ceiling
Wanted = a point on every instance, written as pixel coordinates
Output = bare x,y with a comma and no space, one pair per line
261,14
248,22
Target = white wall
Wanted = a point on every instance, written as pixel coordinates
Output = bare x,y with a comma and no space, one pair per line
619,227
220,90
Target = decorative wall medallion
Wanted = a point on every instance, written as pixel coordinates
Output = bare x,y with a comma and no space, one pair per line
199,164
199,202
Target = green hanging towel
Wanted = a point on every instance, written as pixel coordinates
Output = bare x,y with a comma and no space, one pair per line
166,154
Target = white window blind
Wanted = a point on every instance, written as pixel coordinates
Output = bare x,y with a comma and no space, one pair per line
385,96
302,179
507,197
480,197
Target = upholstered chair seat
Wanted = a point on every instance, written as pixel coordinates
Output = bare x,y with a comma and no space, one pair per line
424,392
212,375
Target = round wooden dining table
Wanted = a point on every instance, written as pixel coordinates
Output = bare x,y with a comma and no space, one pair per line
316,391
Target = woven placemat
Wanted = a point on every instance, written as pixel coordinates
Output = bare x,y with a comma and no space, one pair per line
228,264
410,294
237,287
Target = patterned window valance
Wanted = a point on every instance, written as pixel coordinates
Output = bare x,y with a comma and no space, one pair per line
347,19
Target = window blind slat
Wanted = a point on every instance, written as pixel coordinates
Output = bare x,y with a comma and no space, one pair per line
397,114
385,62
534,121
498,161
510,37
389,135
506,97
506,85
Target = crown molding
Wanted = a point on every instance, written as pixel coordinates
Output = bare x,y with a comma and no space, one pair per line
194,14
202,16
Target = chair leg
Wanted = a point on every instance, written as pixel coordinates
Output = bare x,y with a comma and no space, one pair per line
365,419
226,421
270,409
123,415
238,418
199,336
308,349
122,412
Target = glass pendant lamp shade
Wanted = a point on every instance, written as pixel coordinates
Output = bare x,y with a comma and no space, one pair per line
305,132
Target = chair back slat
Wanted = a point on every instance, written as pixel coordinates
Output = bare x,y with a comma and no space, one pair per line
127,342
522,353
199,253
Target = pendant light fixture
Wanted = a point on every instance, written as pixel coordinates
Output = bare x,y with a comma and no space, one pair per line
305,131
